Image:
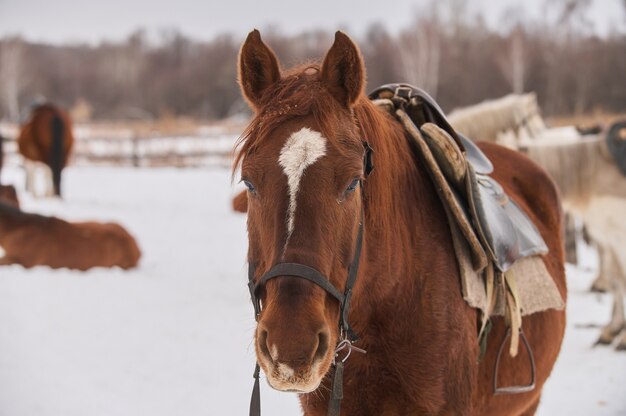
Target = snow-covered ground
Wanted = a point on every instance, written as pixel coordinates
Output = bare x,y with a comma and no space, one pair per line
174,336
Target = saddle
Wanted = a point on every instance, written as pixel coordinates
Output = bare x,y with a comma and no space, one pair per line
494,226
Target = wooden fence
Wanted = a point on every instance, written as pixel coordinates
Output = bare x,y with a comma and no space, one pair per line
207,147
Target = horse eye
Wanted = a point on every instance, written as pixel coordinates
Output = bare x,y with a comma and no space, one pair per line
353,185
249,185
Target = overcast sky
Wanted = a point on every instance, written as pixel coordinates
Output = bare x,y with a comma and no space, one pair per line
61,21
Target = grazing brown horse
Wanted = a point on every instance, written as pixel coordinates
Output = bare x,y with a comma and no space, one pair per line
302,159
47,138
36,240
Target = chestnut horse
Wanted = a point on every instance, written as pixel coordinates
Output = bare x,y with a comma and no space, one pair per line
36,240
46,138
302,160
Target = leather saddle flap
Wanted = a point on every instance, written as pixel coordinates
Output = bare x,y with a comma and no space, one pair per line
504,228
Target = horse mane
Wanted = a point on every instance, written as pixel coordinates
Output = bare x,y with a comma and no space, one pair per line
302,93
299,93
395,168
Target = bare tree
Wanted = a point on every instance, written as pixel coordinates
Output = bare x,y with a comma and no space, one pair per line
11,82
513,63
446,50
420,51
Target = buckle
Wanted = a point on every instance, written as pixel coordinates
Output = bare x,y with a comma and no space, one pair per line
404,93
368,165
346,344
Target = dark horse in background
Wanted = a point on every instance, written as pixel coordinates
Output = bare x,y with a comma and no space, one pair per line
46,138
302,162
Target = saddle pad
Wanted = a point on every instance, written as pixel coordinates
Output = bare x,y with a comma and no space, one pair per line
536,288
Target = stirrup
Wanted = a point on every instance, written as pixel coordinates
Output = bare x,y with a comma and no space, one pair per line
497,390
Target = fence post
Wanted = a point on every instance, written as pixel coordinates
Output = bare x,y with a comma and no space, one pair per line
135,156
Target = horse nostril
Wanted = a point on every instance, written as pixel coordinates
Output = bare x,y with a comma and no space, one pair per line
263,345
323,342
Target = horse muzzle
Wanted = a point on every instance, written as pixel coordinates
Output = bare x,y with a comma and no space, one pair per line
293,361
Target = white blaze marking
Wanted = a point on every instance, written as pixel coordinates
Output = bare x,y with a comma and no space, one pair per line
285,371
2,252
301,150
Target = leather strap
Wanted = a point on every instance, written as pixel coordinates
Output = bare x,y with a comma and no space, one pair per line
336,393
255,399
352,274
303,272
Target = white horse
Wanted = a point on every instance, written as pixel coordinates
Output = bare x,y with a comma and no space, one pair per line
506,120
592,187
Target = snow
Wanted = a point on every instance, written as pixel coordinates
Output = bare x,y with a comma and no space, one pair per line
174,336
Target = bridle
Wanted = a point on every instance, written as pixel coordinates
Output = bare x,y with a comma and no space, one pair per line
347,337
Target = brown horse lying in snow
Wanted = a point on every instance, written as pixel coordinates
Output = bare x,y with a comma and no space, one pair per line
36,240
302,159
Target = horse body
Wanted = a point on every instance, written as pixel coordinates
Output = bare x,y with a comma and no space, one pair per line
47,138
407,308
36,240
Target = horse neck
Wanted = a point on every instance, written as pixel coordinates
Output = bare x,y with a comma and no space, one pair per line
398,197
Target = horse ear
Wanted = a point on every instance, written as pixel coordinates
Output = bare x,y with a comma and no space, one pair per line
258,69
343,71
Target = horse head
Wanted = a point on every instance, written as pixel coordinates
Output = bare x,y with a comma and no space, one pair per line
302,161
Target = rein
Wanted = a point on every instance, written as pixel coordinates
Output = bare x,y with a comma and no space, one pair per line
347,337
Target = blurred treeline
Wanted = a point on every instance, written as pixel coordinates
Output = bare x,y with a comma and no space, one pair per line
457,58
